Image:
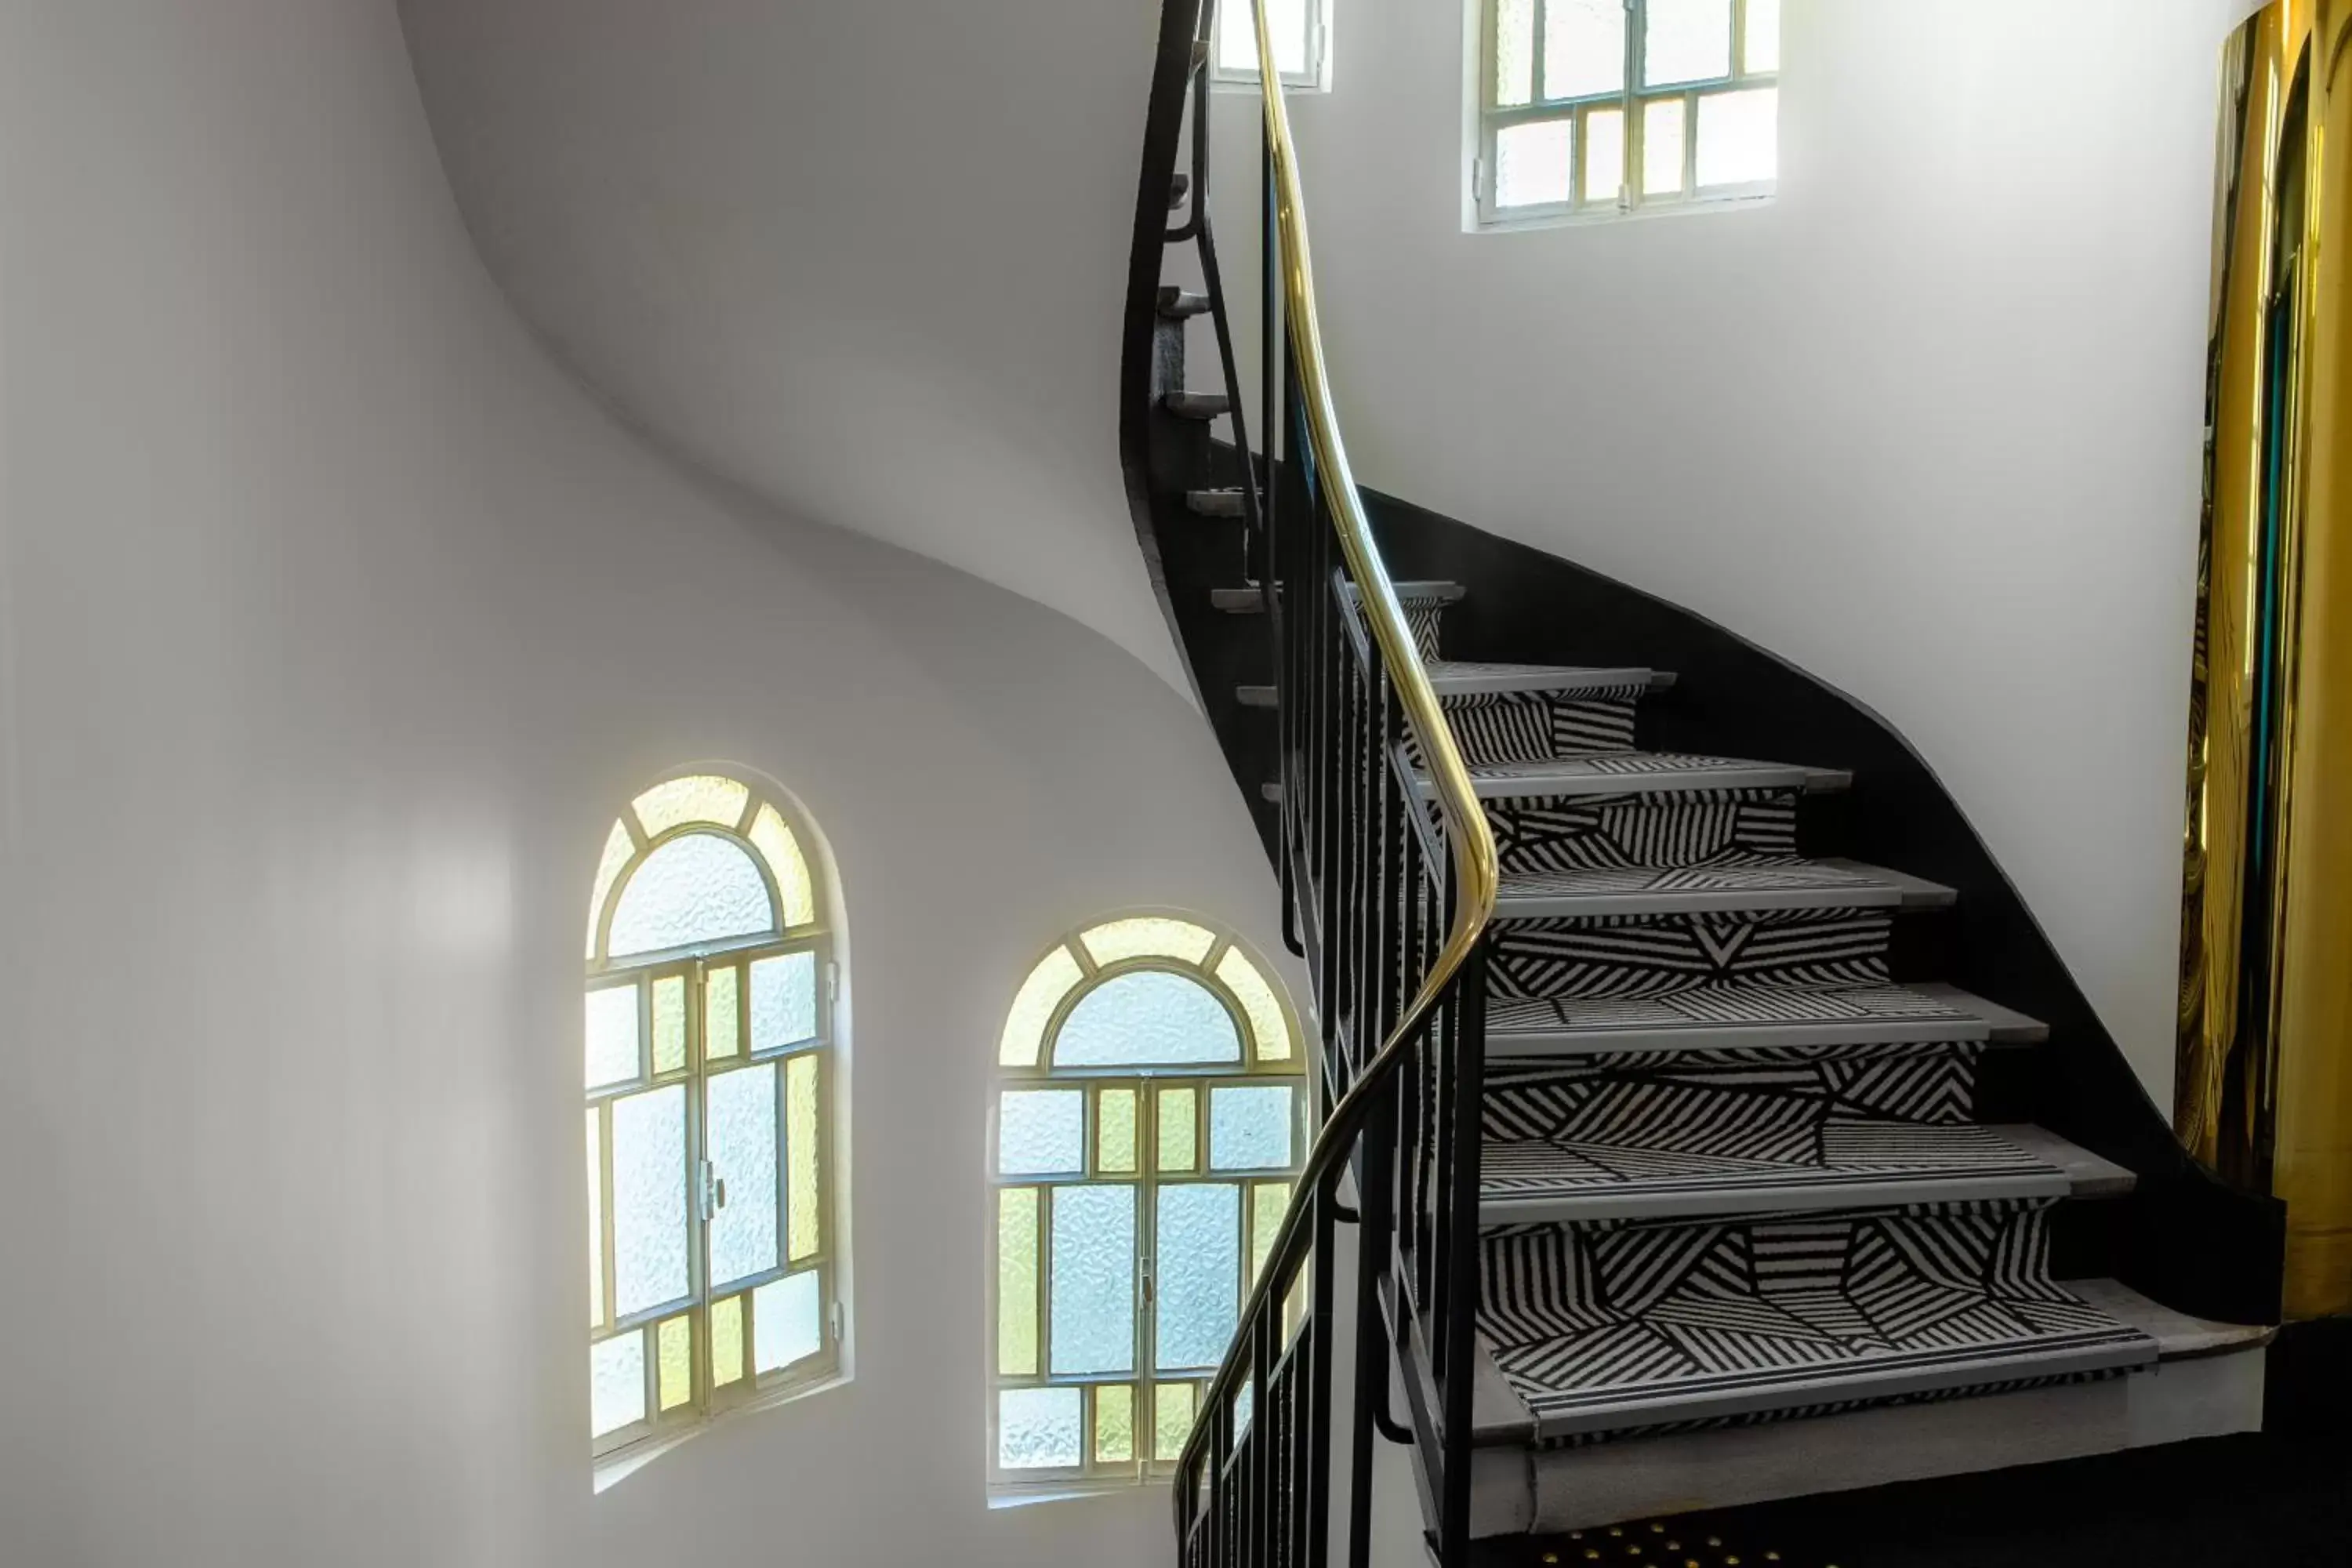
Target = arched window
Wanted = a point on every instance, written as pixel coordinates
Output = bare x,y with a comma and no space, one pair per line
1151,1116
712,1273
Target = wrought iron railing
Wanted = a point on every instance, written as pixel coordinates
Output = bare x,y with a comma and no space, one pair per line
1390,870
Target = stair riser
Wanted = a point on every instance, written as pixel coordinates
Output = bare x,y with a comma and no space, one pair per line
1569,833
1525,727
1632,957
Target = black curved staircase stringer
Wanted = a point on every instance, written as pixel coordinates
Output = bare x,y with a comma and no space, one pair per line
2184,1238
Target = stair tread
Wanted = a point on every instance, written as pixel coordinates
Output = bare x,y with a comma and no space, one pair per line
1711,1345
1635,772
1415,594
1728,885
1844,1161
1475,677
1751,1016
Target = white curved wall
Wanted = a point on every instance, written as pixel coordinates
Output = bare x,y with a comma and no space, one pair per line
868,260
1928,424
334,624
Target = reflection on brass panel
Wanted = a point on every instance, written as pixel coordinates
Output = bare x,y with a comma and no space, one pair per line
2265,1044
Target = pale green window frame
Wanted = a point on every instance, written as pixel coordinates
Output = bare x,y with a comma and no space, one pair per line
1171,1107
1751,84
700,1352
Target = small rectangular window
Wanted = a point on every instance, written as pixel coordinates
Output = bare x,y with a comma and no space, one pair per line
1600,108
1302,43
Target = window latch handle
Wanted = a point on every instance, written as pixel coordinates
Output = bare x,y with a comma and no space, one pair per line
710,1189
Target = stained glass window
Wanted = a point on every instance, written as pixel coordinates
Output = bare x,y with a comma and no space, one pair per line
1592,108
1151,1111
707,1060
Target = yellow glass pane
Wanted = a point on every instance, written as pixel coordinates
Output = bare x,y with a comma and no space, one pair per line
1294,1309
618,847
669,1023
1269,1201
1115,1134
595,1222
1033,1008
1115,1423
1180,1134
705,797
722,1013
1016,1281
1172,1418
1268,1023
1148,936
786,863
804,1206
674,1344
726,1341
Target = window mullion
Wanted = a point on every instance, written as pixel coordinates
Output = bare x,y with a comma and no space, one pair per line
1629,179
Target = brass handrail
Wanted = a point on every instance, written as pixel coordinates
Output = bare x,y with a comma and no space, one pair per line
1470,840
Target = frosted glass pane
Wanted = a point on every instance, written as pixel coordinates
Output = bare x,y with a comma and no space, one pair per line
1662,147
1041,1132
1024,1029
1268,1026
618,847
1531,164
1584,47
786,1323
595,1220
616,1383
1115,1423
804,1174
611,1035
706,797
1604,155
1269,1201
1250,1129
1172,1418
1179,1136
1148,1017
1114,1132
1016,1281
1687,40
1093,1278
1237,35
1040,1428
669,1023
723,1012
741,1130
648,1199
786,864
783,1001
1245,1406
1149,937
674,1348
1199,1266
1515,51
1740,137
1763,36
725,1342
696,889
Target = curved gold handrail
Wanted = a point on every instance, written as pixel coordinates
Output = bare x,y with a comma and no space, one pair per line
1469,839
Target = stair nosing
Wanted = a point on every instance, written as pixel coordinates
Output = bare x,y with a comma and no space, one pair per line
1977,1024
1886,889
1716,773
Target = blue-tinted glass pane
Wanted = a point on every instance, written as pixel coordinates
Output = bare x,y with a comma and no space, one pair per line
1039,1428
611,1035
741,1108
1094,1279
1149,1018
1199,1273
1249,1129
785,1326
695,889
1041,1132
616,1383
1687,40
784,1000
648,1199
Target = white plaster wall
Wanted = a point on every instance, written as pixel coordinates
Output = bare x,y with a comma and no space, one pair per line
1928,424
334,626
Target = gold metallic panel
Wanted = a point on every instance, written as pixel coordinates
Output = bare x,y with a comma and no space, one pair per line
2266,1047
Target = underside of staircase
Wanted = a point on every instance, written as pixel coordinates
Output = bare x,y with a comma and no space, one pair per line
1804,1164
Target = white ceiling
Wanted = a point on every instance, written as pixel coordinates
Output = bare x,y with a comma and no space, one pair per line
866,259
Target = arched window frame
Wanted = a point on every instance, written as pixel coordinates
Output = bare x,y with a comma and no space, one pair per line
1161,1403
711,1349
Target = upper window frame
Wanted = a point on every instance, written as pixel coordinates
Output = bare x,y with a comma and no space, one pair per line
1490,117
1227,75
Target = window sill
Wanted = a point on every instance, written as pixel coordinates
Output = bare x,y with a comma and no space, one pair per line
614,1468
1743,201
1015,1496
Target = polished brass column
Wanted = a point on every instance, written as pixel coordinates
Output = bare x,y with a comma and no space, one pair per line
2266,1058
